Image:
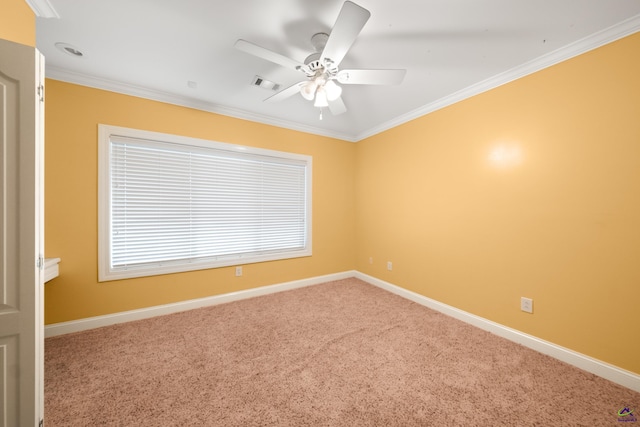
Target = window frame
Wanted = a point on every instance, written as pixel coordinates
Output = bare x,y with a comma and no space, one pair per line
105,270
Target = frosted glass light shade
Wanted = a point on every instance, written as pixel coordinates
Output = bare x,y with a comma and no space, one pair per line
308,90
321,98
333,90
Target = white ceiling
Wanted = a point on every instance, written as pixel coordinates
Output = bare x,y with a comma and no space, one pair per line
451,49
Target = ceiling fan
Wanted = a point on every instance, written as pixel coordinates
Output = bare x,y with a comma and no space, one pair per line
321,67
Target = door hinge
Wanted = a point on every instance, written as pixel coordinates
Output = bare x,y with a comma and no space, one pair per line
41,423
40,262
41,92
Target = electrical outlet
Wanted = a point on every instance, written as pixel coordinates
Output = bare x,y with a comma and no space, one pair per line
238,271
389,265
526,304
370,260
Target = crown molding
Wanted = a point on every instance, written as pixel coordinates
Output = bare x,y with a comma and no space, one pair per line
42,8
81,79
594,41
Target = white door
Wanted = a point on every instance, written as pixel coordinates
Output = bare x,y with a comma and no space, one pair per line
21,229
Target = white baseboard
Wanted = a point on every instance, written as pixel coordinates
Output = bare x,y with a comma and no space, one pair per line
145,313
589,364
612,373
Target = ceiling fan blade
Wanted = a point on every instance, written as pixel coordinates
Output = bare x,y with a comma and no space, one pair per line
267,54
337,106
371,77
350,22
285,93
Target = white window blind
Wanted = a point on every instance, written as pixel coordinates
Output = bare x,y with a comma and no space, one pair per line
177,204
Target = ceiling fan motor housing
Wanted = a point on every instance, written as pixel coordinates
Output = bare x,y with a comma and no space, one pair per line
315,67
319,41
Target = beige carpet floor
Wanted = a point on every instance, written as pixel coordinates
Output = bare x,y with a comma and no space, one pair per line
342,353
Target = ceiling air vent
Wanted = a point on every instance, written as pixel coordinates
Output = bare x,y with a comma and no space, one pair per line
264,83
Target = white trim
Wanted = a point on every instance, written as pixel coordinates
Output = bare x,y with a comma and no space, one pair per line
51,268
145,313
598,39
602,369
612,373
64,75
43,8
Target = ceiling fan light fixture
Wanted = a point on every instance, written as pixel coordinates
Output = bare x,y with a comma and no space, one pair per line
308,90
321,98
333,90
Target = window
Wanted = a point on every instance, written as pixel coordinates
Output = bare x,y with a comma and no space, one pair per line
169,204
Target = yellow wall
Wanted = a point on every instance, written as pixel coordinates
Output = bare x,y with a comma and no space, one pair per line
72,116
553,214
17,22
